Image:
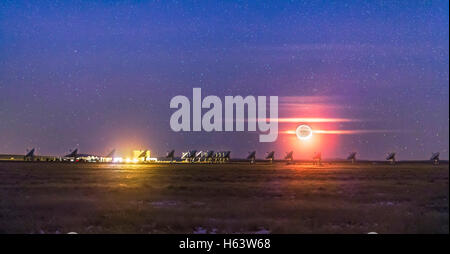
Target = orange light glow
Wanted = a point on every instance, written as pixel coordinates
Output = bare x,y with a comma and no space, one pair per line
305,149
342,132
319,113
315,120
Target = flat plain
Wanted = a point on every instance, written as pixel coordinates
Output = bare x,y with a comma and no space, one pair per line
223,198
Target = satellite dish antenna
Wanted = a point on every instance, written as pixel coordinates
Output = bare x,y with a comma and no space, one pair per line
111,154
352,157
317,158
209,156
30,155
270,156
289,157
227,156
435,158
170,155
391,158
252,157
73,153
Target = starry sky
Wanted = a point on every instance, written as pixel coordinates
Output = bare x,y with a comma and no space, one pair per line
97,75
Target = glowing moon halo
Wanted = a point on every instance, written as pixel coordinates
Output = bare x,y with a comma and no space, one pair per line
304,132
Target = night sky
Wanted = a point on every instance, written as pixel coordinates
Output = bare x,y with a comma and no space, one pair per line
98,76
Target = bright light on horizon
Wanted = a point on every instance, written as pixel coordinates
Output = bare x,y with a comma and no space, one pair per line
304,132
316,120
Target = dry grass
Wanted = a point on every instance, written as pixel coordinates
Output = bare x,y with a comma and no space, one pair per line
226,198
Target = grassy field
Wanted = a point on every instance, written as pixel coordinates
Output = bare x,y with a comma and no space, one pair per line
226,198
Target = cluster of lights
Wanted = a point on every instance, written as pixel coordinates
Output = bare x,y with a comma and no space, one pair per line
134,160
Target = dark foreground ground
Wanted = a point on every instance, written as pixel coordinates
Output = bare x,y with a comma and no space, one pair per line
226,198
